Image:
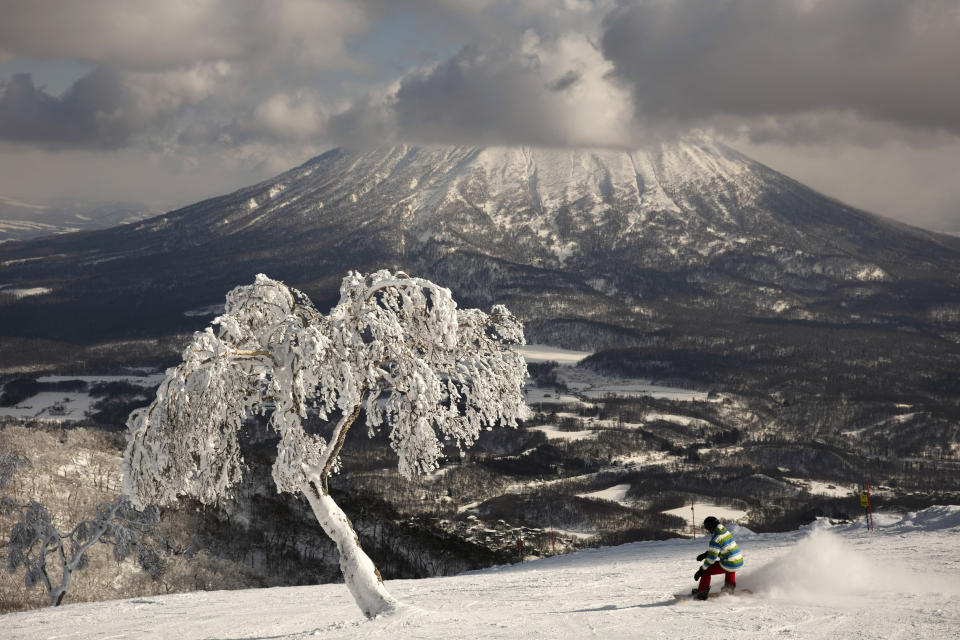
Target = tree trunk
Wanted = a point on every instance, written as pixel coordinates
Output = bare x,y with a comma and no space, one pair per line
359,573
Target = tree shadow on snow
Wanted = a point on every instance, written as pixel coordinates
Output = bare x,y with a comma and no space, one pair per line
282,636
613,607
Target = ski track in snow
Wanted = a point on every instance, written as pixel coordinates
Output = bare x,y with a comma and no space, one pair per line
821,582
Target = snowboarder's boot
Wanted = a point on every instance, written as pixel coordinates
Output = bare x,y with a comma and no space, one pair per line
700,595
728,588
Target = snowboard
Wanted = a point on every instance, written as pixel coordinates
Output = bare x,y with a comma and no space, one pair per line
712,594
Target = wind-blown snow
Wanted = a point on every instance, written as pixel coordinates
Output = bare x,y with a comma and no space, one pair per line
902,581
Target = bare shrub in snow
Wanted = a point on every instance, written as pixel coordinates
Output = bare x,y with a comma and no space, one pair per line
394,346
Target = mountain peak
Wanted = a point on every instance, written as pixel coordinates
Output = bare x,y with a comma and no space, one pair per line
542,197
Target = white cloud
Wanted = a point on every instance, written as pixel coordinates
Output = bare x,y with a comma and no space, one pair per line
298,115
157,94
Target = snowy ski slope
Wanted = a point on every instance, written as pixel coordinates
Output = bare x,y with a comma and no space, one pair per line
824,581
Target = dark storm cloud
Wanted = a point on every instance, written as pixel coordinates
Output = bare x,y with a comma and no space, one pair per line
689,60
480,96
473,97
90,113
103,109
366,124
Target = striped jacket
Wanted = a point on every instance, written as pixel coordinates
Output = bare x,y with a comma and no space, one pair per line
723,548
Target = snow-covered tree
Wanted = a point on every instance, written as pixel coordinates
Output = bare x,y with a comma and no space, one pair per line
395,346
50,558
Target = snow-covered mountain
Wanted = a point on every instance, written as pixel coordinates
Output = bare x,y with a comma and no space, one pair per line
582,236
821,582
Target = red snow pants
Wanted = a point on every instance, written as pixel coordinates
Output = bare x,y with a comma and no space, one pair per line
730,577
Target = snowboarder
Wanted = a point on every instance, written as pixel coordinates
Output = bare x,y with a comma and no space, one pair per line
722,556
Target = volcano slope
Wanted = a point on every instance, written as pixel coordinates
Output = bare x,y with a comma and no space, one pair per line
685,262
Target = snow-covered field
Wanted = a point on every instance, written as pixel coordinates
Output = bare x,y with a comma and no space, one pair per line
71,405
555,433
25,293
702,508
545,353
616,493
51,405
725,513
593,385
902,581
828,489
537,396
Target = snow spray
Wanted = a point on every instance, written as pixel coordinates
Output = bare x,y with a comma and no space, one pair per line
822,567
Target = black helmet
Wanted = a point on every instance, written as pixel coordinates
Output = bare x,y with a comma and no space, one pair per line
710,523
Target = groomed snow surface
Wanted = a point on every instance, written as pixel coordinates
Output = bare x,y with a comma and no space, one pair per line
901,581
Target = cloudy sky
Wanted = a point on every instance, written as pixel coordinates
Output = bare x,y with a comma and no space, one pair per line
169,102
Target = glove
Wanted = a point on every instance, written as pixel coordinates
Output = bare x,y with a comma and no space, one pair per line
699,573
701,556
